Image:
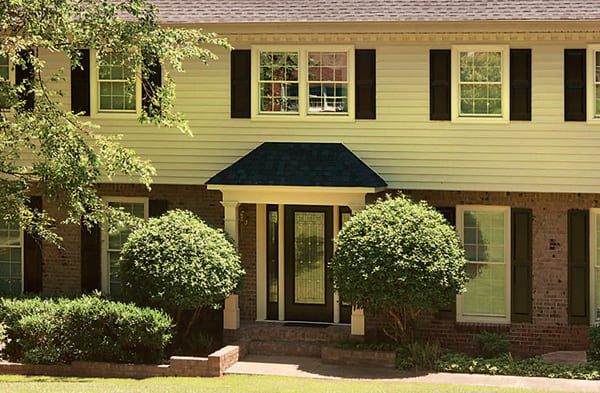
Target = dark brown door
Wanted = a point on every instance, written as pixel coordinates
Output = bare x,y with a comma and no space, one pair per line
308,248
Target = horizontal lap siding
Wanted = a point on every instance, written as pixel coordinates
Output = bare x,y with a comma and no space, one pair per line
407,149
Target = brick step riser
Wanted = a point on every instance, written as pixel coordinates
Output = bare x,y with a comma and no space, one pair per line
285,348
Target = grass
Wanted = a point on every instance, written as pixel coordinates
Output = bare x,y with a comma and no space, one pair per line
230,383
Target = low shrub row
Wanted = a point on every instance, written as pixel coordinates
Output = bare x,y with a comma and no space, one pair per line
61,330
506,365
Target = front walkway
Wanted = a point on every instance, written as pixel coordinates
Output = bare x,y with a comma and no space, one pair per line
313,368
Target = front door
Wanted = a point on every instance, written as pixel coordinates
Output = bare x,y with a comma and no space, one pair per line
308,248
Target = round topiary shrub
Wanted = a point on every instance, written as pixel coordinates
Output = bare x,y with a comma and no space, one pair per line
400,258
177,262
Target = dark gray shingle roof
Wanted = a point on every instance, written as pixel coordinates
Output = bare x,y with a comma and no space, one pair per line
254,11
299,164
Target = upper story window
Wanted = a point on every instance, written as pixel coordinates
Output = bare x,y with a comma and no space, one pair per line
481,90
6,76
303,82
485,232
111,93
11,257
593,82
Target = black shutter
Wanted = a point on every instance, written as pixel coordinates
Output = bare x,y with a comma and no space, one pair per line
439,84
365,71
80,85
32,261
240,83
152,82
520,84
158,207
448,312
578,262
575,64
521,263
24,74
91,258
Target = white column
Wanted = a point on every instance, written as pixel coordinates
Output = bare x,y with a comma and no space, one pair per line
261,262
231,314
336,295
357,318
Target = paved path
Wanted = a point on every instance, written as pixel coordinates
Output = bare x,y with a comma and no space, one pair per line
313,368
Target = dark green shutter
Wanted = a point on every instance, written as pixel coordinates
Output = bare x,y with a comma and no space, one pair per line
365,89
240,83
448,312
24,75
91,258
579,265
32,251
439,84
152,81
521,264
157,207
80,85
575,89
520,84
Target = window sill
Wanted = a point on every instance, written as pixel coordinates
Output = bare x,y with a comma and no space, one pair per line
310,118
480,120
115,115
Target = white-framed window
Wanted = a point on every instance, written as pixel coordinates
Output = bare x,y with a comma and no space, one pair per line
485,232
110,92
112,243
480,88
593,82
594,266
309,82
11,257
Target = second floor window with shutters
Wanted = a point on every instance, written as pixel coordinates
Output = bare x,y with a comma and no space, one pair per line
111,93
481,89
302,82
593,83
5,78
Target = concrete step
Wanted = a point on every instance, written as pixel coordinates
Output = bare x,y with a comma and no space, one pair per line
274,331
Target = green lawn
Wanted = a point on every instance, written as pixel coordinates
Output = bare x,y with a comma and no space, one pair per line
230,383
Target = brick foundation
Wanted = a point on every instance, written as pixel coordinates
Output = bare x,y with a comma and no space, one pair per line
549,330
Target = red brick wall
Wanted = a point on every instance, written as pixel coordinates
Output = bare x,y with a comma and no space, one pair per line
247,248
549,329
62,267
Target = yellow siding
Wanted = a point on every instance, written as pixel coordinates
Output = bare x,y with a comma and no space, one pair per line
403,146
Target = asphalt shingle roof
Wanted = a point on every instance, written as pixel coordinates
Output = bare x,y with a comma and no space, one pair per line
299,164
255,11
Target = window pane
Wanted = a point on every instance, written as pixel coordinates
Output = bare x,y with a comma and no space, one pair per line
10,257
328,67
309,257
115,93
480,83
484,240
4,70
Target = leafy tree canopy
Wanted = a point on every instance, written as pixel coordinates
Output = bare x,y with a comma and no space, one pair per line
60,155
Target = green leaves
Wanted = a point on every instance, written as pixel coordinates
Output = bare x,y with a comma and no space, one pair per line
178,262
398,254
49,150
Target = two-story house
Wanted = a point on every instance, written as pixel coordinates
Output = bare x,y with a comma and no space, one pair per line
488,110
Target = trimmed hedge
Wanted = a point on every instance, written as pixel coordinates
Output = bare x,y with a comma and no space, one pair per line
61,330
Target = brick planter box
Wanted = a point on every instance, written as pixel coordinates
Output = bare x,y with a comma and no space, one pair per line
179,366
355,357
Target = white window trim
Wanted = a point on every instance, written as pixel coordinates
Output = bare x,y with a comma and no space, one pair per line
22,243
594,212
105,268
460,317
590,83
95,92
302,113
455,75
